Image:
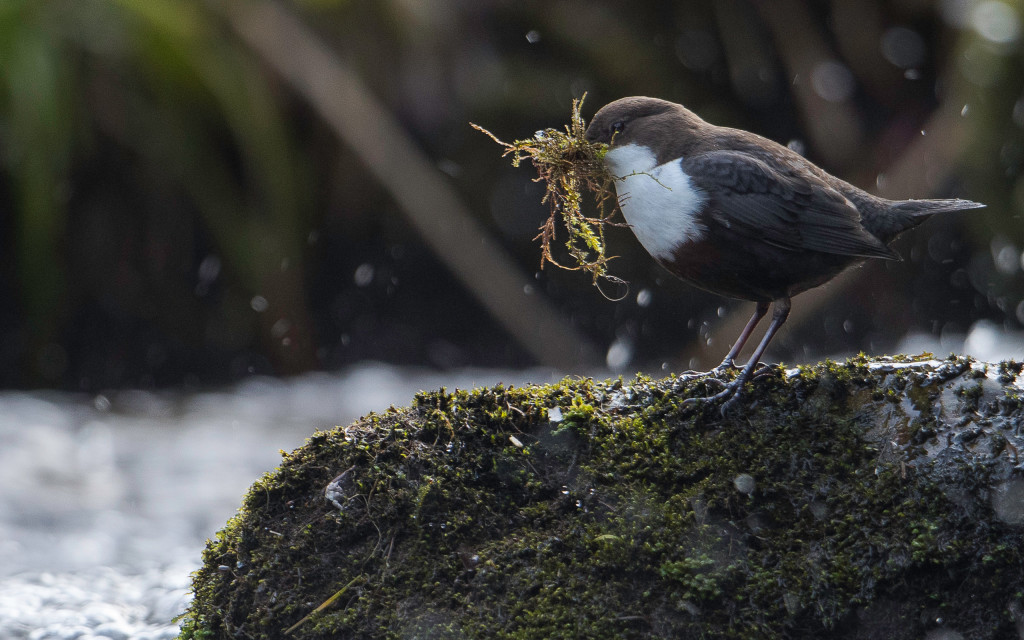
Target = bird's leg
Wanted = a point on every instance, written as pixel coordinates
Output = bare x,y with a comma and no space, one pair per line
730,359
732,391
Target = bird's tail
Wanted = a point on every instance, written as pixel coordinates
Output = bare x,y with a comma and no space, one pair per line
926,208
901,215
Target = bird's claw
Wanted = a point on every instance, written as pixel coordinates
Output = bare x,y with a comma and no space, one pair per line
689,376
732,390
727,365
716,381
730,393
728,405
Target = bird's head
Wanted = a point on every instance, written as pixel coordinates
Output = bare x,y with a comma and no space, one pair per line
655,129
615,124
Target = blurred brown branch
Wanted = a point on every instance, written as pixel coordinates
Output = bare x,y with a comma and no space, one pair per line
433,207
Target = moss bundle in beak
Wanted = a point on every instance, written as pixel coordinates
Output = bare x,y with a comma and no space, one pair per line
568,165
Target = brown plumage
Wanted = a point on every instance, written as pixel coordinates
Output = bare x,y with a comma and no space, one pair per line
742,216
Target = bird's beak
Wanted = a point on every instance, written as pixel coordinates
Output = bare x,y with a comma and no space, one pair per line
591,135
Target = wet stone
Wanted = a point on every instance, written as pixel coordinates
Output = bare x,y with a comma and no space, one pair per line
865,499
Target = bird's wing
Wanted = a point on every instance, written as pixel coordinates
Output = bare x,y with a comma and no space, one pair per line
797,212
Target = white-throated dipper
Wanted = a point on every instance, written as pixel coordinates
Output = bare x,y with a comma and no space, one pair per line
742,216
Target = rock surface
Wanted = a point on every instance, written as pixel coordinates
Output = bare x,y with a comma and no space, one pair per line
870,499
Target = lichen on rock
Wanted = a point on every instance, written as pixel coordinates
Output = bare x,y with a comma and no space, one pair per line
867,499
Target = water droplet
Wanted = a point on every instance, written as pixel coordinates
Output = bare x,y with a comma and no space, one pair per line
832,81
363,275
954,12
209,269
280,327
449,167
903,47
792,602
533,36
101,403
1008,501
1005,255
996,22
259,304
965,110
644,297
620,353
818,509
1018,113
744,483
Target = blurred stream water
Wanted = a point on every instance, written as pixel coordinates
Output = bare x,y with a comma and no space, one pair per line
106,501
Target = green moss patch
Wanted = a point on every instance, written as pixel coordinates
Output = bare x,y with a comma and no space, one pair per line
846,500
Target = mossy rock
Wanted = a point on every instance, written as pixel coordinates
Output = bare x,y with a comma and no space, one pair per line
870,499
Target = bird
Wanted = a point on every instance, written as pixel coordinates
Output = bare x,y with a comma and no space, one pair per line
742,216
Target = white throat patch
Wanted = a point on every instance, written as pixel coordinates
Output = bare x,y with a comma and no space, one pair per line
659,202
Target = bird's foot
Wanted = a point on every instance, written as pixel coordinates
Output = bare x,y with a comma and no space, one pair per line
762,370
711,377
690,374
731,391
730,394
683,378
726,366
729,366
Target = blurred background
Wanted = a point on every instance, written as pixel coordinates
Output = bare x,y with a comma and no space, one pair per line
197,191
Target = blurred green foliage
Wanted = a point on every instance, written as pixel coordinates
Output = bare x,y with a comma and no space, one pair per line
201,121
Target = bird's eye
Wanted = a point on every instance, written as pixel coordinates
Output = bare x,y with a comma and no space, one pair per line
618,127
